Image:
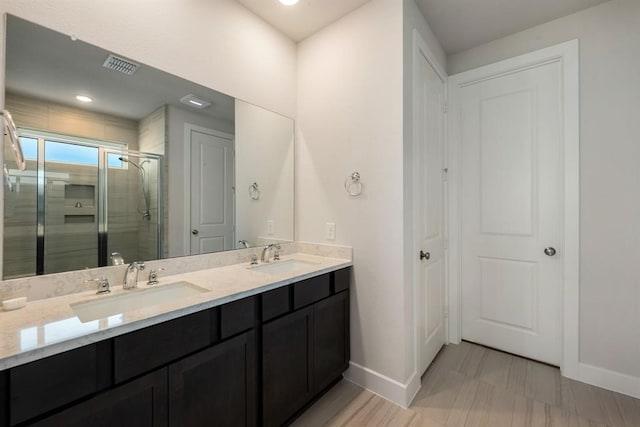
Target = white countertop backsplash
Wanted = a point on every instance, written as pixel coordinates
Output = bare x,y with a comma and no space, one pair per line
47,325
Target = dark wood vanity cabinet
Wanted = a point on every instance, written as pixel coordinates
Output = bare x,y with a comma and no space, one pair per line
287,379
305,351
4,399
269,355
216,386
331,339
138,403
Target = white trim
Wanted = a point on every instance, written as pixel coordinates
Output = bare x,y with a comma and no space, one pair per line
186,184
390,389
567,53
421,50
611,380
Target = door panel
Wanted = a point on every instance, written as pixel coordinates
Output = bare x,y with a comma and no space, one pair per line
212,205
510,198
429,97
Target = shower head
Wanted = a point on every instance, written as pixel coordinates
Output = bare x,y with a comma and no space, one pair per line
124,159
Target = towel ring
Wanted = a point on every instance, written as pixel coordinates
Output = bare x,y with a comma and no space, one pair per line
254,192
353,185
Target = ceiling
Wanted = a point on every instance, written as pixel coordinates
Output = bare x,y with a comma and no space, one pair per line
44,64
303,19
458,24
462,24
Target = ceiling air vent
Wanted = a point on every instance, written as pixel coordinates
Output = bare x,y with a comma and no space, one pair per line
120,64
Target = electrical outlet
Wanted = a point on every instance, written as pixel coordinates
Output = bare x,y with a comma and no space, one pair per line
270,227
331,231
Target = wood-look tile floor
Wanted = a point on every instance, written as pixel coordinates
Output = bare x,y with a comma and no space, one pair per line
470,385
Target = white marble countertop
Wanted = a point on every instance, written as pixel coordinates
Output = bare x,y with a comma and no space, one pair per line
49,326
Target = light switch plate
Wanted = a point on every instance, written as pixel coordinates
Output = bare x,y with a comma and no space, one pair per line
331,231
270,227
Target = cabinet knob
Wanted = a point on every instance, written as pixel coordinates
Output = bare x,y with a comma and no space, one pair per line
424,255
194,232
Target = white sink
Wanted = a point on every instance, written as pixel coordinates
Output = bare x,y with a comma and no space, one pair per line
287,266
106,306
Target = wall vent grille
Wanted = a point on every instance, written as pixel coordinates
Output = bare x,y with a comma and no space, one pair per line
117,63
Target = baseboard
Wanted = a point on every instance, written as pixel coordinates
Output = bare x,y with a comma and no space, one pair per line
390,389
611,380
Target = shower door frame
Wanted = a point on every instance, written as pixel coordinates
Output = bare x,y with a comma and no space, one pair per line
104,149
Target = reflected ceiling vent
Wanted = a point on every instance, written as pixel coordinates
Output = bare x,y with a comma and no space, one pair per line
117,63
193,101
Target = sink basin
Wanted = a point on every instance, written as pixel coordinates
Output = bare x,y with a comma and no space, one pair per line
286,266
133,300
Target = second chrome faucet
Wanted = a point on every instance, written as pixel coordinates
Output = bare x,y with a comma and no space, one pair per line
265,252
130,280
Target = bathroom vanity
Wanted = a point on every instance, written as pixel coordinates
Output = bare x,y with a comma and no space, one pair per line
258,356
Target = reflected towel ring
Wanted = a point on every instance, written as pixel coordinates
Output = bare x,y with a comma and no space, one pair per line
353,185
254,192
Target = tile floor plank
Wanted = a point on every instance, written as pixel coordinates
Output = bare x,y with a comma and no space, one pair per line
472,386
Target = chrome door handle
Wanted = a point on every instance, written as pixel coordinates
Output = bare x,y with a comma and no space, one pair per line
549,251
424,255
194,232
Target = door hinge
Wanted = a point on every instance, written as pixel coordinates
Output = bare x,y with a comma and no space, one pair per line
445,108
445,243
446,312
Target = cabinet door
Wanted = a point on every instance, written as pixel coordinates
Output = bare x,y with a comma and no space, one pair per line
215,387
139,403
287,365
4,399
331,339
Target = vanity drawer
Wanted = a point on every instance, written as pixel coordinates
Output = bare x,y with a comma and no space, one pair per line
50,383
276,303
237,316
311,290
141,351
341,279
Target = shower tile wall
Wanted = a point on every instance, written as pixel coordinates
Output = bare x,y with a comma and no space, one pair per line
153,138
67,246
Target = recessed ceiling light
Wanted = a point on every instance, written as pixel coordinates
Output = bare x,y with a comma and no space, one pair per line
288,2
83,98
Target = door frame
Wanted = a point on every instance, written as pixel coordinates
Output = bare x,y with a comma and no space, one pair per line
421,49
567,54
188,128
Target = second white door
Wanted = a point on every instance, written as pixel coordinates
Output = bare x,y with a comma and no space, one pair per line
212,205
511,211
429,101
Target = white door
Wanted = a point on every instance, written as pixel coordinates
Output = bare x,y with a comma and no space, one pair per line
212,205
511,210
429,125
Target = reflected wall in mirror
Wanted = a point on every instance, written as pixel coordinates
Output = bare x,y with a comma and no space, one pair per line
152,166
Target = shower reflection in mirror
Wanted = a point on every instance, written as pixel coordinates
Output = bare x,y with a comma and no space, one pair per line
78,201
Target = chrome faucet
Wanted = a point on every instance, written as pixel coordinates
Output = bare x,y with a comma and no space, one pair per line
265,252
130,280
244,243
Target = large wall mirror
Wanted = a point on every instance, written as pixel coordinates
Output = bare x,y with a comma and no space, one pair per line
126,162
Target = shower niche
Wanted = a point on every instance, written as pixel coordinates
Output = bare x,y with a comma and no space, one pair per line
79,204
79,201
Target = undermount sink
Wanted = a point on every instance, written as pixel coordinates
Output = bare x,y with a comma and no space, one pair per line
133,300
287,266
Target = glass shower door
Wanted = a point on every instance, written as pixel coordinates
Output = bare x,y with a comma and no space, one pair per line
68,206
20,213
